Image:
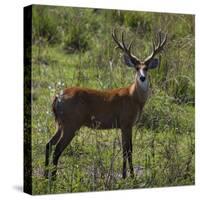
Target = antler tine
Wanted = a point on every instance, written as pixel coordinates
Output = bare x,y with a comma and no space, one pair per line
160,38
157,47
162,42
123,46
119,45
154,45
165,39
130,45
157,41
128,50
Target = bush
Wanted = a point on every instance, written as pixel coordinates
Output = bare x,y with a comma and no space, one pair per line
162,114
138,20
46,25
76,40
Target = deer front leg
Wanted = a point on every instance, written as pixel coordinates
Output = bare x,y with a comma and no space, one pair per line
127,150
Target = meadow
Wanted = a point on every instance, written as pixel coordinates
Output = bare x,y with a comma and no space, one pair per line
74,47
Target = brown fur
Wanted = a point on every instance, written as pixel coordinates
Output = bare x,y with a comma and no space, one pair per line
107,109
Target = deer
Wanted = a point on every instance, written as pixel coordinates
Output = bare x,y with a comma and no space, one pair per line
118,108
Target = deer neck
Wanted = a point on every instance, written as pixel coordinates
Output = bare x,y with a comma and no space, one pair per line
139,90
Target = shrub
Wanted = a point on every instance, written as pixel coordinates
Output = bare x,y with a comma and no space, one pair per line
138,20
46,25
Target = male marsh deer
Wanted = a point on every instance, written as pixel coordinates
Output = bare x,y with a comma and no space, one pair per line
113,108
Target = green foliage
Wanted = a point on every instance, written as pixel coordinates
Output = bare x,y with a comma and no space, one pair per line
74,47
45,24
76,41
77,32
138,20
162,114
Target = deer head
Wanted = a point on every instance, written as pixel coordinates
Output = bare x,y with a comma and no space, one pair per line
140,66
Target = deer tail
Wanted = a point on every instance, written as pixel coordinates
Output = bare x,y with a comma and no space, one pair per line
54,109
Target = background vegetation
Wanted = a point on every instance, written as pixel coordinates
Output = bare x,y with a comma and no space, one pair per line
74,47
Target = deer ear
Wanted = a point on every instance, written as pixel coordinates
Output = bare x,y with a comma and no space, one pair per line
128,61
153,63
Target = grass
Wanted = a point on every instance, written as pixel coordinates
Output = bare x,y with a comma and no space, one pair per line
163,141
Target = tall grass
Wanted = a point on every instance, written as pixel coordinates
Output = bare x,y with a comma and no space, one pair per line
74,47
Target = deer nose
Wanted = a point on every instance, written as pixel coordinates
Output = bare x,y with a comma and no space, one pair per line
142,78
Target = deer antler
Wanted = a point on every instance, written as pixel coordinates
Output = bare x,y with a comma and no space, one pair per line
122,46
157,47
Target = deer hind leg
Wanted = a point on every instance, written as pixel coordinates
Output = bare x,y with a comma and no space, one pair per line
127,150
52,141
68,134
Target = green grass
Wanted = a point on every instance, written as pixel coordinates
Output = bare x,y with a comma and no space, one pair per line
163,140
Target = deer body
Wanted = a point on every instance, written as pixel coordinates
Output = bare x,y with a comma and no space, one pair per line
115,108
